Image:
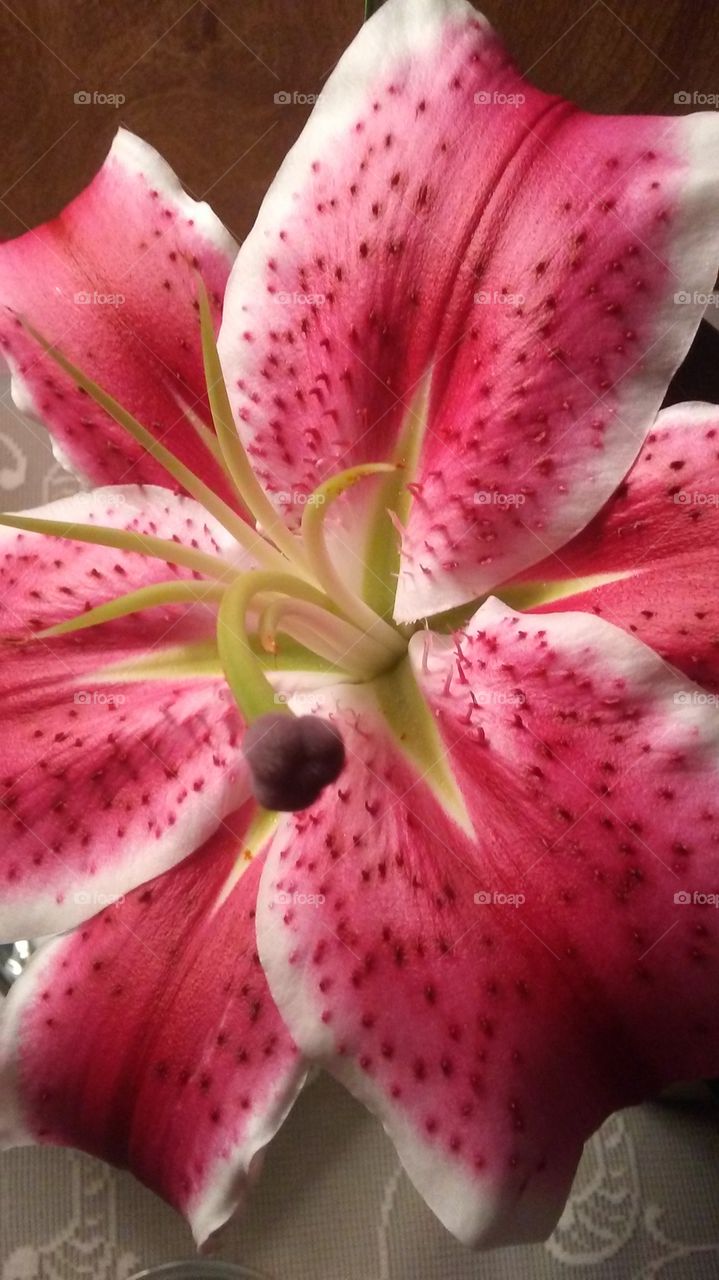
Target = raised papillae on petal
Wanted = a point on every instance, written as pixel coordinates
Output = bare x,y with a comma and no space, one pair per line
120,745
654,545
537,271
494,989
149,1037
112,281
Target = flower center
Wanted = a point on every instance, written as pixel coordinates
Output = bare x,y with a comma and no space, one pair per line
294,596
295,591
308,601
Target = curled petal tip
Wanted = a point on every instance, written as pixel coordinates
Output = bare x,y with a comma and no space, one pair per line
292,759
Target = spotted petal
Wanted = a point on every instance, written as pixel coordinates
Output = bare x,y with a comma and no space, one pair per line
654,547
117,758
452,259
149,1038
494,983
112,282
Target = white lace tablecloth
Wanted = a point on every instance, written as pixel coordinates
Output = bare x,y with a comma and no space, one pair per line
332,1203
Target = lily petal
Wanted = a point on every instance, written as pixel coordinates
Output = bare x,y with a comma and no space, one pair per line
149,1038
493,989
111,281
659,534
449,250
116,760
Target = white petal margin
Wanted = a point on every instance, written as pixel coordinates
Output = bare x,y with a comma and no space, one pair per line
136,156
232,1176
14,1131
478,1208
474,1210
400,29
134,508
404,29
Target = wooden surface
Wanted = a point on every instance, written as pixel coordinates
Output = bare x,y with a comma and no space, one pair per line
199,80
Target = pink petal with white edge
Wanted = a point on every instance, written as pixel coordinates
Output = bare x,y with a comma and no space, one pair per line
111,281
104,781
494,997
440,219
660,532
149,1038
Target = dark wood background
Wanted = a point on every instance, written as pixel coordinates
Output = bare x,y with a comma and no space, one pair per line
199,80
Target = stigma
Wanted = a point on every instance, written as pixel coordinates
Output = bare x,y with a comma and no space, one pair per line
292,759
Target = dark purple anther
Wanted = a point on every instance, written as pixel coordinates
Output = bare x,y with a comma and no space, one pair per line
291,759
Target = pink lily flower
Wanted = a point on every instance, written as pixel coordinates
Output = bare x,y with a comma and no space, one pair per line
450,526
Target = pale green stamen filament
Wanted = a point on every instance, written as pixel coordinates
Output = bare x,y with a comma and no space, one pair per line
294,597
162,593
145,544
316,634
233,452
352,605
318,626
202,492
253,693
392,505
338,641
208,437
